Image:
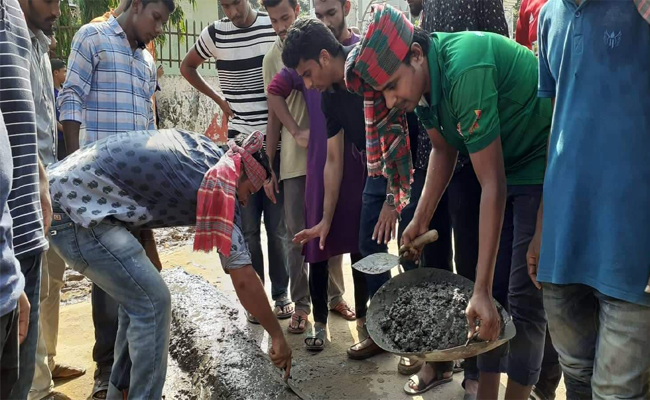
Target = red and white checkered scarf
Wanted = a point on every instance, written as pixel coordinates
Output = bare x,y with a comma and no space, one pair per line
215,210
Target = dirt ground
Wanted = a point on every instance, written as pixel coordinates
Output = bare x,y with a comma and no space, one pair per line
329,374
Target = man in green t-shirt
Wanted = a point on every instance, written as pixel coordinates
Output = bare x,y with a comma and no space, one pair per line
476,93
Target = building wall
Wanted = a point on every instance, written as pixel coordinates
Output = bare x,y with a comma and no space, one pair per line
182,106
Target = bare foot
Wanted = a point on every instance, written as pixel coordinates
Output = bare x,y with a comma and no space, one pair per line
471,387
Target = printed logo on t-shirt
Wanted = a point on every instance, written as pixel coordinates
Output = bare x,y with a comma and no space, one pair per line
474,126
612,39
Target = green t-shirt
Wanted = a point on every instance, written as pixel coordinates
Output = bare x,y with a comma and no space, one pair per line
484,85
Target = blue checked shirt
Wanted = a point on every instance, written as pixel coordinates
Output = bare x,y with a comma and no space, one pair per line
109,86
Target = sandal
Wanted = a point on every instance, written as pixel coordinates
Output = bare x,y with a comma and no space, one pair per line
315,341
298,323
357,352
345,311
408,366
422,387
283,311
100,387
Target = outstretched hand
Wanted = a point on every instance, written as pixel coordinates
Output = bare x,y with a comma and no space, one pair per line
320,231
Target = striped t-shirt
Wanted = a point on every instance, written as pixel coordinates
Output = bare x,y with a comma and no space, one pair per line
17,106
239,53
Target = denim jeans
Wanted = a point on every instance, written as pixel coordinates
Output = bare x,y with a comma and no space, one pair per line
112,258
374,196
522,357
602,342
276,233
31,268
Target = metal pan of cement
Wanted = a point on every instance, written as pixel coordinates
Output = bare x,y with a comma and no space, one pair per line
387,294
381,262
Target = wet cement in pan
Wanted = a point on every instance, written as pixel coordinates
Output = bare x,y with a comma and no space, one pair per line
427,317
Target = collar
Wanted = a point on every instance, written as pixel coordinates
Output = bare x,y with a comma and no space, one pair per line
43,41
118,31
353,39
279,43
435,76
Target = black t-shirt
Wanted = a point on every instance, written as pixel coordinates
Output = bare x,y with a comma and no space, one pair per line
344,110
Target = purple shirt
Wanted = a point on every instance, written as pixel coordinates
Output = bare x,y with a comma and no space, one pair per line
344,232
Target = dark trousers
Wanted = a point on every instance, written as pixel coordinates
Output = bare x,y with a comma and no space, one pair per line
31,269
464,200
522,357
374,196
318,281
8,352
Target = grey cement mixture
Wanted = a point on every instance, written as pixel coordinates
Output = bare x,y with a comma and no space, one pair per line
211,346
427,317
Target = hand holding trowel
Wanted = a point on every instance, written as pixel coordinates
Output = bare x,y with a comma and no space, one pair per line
381,262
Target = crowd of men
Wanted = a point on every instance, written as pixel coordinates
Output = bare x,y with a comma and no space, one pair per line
341,142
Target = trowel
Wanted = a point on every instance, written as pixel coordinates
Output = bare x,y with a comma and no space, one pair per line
381,262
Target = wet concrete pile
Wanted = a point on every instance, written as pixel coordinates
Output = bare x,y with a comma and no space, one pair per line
427,317
210,344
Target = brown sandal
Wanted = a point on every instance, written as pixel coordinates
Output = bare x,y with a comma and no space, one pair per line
345,311
298,324
408,366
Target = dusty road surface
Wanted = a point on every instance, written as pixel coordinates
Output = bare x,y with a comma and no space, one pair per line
326,375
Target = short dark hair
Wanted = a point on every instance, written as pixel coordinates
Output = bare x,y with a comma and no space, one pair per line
169,3
274,3
259,156
57,64
423,39
306,38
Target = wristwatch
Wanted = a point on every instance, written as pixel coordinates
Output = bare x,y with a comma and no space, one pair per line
390,200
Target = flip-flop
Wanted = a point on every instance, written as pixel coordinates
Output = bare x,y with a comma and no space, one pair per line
100,389
408,367
301,322
424,388
283,311
315,341
345,311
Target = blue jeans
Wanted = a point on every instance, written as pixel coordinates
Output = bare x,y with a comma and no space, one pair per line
602,343
276,233
112,258
374,196
31,268
522,357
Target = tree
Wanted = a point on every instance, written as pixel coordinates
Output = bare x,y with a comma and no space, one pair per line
73,16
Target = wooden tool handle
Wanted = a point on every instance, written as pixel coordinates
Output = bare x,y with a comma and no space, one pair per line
421,241
425,239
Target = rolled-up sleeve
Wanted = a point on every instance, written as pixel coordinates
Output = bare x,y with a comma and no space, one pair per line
79,78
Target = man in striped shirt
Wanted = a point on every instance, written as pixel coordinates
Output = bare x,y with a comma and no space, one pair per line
239,43
17,107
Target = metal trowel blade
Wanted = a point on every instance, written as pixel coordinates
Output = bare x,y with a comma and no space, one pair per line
376,263
291,385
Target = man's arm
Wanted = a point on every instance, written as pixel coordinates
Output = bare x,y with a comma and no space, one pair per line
332,175
76,88
46,203
189,70
490,171
273,128
278,90
252,296
442,162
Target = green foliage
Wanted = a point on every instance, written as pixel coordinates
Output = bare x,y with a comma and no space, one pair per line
73,17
